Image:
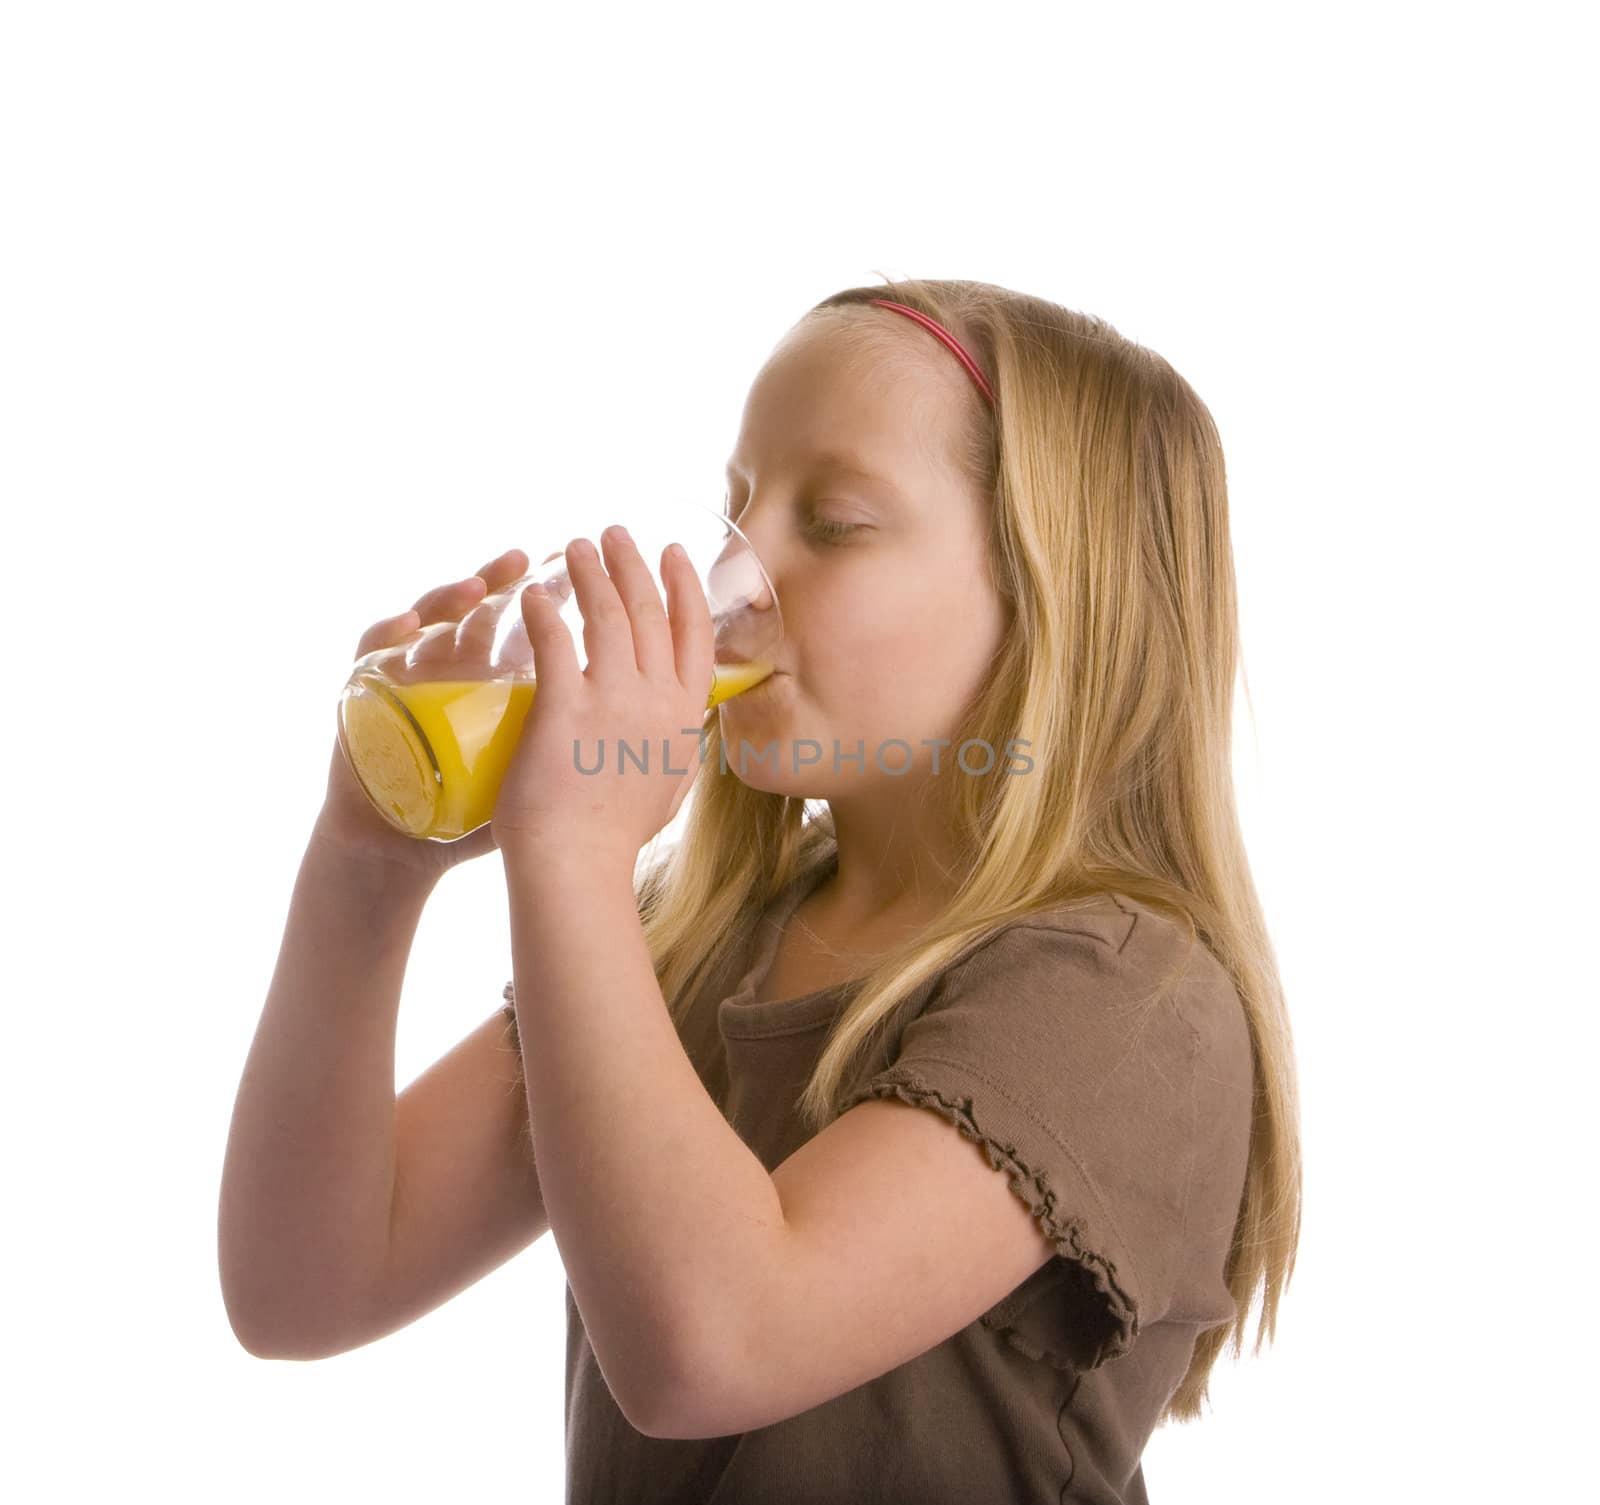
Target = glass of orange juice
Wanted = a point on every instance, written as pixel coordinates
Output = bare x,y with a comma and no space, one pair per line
429,723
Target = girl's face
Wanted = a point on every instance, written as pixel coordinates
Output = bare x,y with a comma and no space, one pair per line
844,479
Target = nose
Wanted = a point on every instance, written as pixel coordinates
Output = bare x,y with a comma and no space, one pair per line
750,619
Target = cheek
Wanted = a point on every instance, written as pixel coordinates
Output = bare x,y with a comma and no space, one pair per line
905,652
859,629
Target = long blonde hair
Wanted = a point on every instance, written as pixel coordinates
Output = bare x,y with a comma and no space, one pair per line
1110,543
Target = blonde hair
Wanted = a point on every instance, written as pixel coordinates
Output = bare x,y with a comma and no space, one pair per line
1109,542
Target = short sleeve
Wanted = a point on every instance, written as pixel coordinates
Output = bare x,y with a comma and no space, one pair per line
1044,1047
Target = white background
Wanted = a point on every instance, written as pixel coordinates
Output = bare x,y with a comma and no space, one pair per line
308,308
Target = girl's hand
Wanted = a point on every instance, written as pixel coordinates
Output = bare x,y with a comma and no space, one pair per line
347,824
647,682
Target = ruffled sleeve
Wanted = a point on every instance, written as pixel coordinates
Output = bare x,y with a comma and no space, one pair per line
1048,1047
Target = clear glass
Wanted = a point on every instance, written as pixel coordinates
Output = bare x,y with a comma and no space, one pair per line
429,724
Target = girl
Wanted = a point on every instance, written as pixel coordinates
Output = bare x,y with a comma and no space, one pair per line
928,1147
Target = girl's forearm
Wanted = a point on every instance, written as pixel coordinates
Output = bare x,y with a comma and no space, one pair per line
662,1214
308,1175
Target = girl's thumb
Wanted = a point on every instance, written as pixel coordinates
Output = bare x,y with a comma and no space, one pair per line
474,843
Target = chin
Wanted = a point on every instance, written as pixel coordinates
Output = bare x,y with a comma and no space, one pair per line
759,719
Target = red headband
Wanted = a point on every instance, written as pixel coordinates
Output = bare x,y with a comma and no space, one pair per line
949,339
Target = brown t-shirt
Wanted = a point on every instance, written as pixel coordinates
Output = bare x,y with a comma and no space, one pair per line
1124,1130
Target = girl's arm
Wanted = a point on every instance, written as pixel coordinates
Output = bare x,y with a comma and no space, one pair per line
308,1176
466,1189
721,1298
663,1216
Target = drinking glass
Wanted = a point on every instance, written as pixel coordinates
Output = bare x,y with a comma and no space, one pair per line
429,724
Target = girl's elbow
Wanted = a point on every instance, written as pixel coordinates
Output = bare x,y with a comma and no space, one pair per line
715,1389
677,1403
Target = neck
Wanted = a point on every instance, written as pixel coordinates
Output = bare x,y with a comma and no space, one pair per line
894,861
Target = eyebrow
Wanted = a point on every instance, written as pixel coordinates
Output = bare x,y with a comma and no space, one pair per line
840,462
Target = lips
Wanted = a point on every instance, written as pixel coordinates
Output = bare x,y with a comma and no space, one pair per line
729,657
757,689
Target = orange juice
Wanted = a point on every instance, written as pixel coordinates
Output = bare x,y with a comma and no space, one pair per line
431,755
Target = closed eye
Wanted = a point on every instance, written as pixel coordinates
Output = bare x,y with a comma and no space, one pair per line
821,530
826,531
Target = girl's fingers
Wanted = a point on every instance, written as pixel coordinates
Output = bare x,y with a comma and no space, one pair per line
389,630
693,633
502,571
607,634
449,603
555,655
445,603
652,639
